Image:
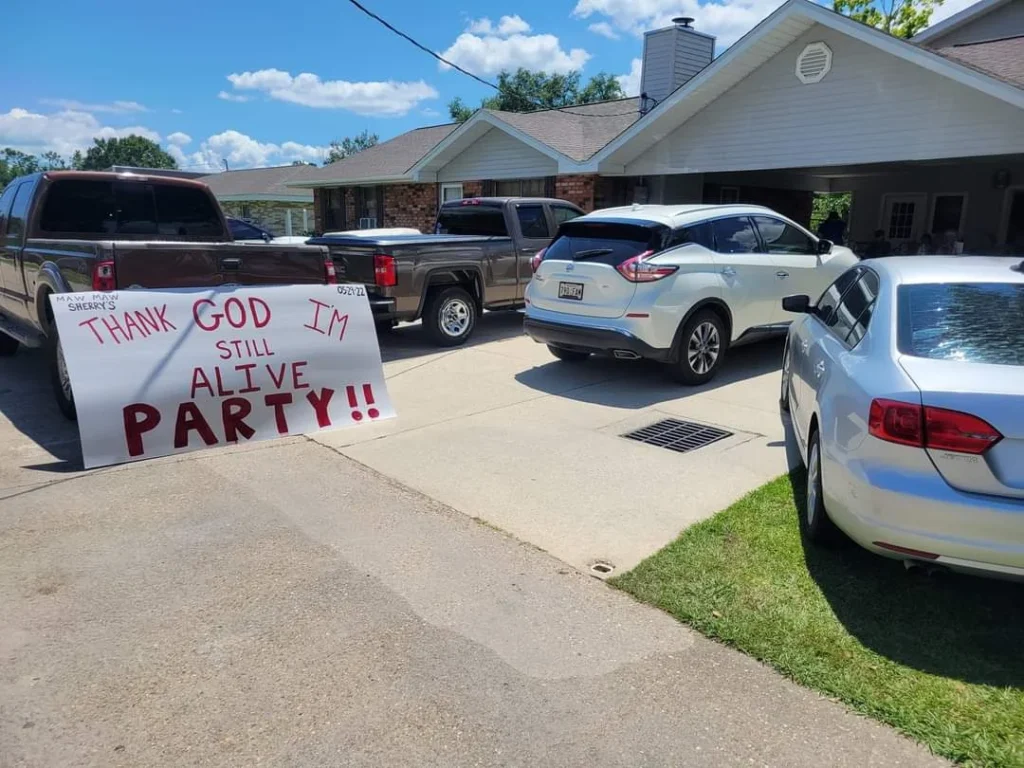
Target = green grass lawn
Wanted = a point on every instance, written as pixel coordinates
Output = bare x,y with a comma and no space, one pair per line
940,658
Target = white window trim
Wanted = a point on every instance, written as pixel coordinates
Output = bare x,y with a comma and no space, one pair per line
963,211
450,186
916,227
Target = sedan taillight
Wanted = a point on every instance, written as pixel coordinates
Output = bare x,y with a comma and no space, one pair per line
930,427
637,270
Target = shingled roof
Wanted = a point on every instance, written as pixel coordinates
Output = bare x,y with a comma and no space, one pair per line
261,184
1003,58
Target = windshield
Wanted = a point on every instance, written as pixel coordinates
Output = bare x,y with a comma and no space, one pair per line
466,219
970,322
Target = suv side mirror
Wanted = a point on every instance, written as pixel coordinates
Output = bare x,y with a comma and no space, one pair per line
799,304
824,246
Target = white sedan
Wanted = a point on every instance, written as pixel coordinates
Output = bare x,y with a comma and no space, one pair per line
679,284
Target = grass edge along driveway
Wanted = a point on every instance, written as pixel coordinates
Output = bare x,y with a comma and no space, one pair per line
940,658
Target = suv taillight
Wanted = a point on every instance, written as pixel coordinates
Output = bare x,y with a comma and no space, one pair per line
929,427
103,276
636,270
329,271
538,257
384,271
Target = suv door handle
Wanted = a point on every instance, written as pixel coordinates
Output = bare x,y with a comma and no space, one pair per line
230,263
782,274
819,368
729,272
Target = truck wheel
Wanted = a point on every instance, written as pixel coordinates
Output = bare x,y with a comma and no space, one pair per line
702,349
450,316
8,346
59,376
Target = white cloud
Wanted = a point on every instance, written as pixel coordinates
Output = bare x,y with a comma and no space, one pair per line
726,21
175,111
116,107
429,112
630,83
387,99
948,8
179,138
61,132
485,49
604,29
242,151
238,97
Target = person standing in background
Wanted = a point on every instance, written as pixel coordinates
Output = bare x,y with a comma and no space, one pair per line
833,228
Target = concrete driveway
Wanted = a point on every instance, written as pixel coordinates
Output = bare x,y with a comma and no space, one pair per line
502,431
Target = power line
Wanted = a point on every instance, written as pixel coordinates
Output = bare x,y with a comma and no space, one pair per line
467,73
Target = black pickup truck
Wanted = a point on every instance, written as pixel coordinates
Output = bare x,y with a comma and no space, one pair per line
480,258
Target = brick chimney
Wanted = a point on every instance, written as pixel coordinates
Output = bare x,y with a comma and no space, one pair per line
671,57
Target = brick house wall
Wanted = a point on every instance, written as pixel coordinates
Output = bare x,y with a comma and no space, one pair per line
411,205
577,189
271,215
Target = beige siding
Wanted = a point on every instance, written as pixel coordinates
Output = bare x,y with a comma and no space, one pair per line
496,155
671,57
1007,21
871,107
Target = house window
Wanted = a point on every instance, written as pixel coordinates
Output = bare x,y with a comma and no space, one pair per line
520,187
948,213
370,207
901,219
334,209
451,192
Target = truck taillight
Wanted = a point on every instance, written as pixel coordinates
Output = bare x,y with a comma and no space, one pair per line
384,271
929,427
538,257
103,276
329,272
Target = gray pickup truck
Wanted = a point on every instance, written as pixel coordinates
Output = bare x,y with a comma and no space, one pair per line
480,258
63,231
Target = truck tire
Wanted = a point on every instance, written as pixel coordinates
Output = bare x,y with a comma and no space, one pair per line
59,376
8,345
449,316
703,343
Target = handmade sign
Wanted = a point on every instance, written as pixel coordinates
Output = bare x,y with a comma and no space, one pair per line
161,372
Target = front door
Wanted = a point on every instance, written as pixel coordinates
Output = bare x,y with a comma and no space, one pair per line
534,234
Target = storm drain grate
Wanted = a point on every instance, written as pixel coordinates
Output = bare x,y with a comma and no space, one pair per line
676,435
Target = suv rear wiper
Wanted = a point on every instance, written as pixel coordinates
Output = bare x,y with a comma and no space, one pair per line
592,252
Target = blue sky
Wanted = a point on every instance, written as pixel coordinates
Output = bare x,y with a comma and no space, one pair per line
264,83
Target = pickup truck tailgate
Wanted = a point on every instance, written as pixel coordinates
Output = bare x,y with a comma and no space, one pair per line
198,265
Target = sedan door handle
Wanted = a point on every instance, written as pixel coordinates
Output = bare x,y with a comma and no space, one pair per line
782,274
729,272
804,346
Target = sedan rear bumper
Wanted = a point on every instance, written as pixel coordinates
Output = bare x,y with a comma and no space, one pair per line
614,341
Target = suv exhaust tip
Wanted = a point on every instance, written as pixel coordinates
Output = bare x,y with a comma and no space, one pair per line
625,354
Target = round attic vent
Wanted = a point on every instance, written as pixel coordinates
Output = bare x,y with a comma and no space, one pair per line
813,63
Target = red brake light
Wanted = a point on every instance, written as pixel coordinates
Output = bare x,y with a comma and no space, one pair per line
329,272
636,270
384,273
103,276
469,201
929,427
538,257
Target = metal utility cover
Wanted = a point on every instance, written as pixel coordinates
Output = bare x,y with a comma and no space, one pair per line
676,435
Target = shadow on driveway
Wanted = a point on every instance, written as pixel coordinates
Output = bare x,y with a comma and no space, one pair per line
957,626
642,383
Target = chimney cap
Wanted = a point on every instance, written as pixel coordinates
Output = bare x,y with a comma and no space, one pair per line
683,21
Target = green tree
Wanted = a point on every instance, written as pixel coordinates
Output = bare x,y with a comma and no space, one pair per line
350,145
14,163
131,150
900,18
526,91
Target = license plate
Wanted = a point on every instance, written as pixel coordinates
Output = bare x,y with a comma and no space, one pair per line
570,291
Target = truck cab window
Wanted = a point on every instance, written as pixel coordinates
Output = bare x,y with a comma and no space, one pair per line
532,221
471,219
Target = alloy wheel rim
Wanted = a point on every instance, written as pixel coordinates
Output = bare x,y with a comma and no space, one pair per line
785,374
813,473
703,348
455,316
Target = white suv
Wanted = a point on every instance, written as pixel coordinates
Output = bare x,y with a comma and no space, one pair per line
679,284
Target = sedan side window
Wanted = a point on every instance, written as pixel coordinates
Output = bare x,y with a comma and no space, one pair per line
856,308
825,307
735,234
780,237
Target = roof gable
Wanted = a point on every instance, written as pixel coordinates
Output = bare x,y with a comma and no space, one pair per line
958,20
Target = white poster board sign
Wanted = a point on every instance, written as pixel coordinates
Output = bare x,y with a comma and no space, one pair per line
161,372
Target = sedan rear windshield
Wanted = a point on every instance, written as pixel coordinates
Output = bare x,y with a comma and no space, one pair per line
970,322
80,206
471,219
606,242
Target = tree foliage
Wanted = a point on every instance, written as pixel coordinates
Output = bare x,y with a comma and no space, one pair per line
132,150
350,145
900,18
526,91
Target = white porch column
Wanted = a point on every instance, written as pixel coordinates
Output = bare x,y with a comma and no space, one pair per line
288,222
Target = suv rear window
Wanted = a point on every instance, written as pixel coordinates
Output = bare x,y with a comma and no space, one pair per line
606,242
81,206
971,322
471,219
